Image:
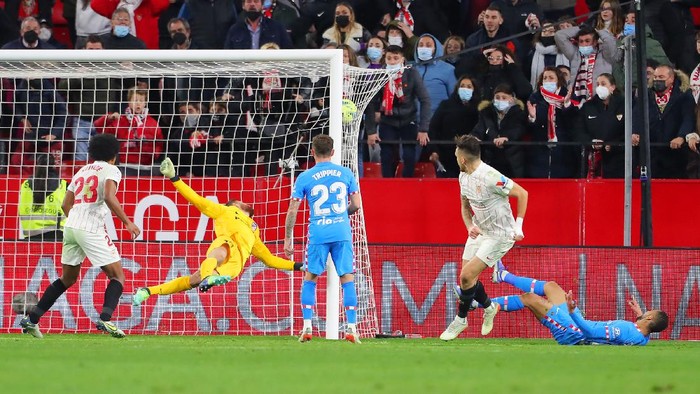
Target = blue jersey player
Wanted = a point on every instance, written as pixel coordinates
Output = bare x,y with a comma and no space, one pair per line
558,312
326,187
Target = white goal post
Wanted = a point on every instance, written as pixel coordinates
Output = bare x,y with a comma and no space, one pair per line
271,101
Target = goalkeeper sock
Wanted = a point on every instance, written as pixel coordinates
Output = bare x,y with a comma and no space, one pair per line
47,300
174,286
480,295
208,266
510,303
308,300
350,302
112,293
525,284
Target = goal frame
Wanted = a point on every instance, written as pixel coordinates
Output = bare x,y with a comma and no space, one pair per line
333,56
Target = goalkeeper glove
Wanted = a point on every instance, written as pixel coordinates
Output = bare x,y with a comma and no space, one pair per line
167,168
298,266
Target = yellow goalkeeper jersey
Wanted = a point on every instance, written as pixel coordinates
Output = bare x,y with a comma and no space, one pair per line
231,221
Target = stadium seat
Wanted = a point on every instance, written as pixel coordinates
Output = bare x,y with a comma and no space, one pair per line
372,170
425,170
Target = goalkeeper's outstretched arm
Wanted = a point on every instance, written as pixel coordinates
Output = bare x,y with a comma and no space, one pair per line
261,252
209,208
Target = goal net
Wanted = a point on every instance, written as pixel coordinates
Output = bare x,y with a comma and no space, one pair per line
237,124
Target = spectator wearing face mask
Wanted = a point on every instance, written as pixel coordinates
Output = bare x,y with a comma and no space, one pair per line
453,45
46,35
546,53
654,52
374,55
551,116
502,119
602,121
346,30
399,34
121,37
500,68
143,17
438,76
455,116
29,36
256,30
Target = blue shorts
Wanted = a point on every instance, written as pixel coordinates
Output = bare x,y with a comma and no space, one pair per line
562,327
341,253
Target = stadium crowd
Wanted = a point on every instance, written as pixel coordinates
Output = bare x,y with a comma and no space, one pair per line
535,75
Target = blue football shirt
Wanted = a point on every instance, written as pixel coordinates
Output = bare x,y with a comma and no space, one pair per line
327,186
612,332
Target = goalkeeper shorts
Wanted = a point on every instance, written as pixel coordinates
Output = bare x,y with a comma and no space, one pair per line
236,257
340,252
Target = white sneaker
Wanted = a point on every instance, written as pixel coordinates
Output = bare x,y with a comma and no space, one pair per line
306,335
489,315
454,329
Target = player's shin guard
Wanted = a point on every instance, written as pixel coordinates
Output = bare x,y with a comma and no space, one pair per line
308,299
47,300
174,286
207,267
480,295
350,302
528,285
510,303
112,293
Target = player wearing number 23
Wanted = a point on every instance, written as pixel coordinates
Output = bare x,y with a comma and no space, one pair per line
326,186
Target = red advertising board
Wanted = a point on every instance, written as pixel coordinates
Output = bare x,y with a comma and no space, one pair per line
411,211
411,286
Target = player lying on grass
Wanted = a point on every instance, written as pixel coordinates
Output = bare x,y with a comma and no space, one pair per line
237,237
558,312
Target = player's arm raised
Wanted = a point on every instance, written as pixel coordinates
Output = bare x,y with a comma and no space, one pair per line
114,205
472,229
521,195
209,208
289,223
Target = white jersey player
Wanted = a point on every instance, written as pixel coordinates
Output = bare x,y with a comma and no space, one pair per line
492,229
90,197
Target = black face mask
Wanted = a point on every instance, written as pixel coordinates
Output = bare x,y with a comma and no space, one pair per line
496,67
253,15
179,38
31,37
342,20
659,86
547,41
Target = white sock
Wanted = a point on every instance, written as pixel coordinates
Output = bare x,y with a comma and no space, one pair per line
351,327
307,324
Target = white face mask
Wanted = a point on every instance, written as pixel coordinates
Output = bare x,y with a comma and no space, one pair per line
44,33
394,67
396,40
191,120
602,92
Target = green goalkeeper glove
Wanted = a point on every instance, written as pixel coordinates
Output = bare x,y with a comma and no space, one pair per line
167,168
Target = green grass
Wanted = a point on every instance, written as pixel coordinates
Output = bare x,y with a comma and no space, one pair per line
179,364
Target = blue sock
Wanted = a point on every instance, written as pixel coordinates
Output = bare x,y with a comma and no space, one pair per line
528,285
308,299
350,302
510,303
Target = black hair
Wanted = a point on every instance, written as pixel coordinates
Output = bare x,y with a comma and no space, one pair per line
659,322
45,180
395,49
504,88
586,30
103,147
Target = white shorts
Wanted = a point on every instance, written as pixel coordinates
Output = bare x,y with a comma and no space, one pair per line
487,249
77,244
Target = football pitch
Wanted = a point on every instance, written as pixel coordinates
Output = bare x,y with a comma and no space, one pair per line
230,364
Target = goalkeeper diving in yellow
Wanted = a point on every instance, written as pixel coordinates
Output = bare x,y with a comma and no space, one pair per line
237,237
